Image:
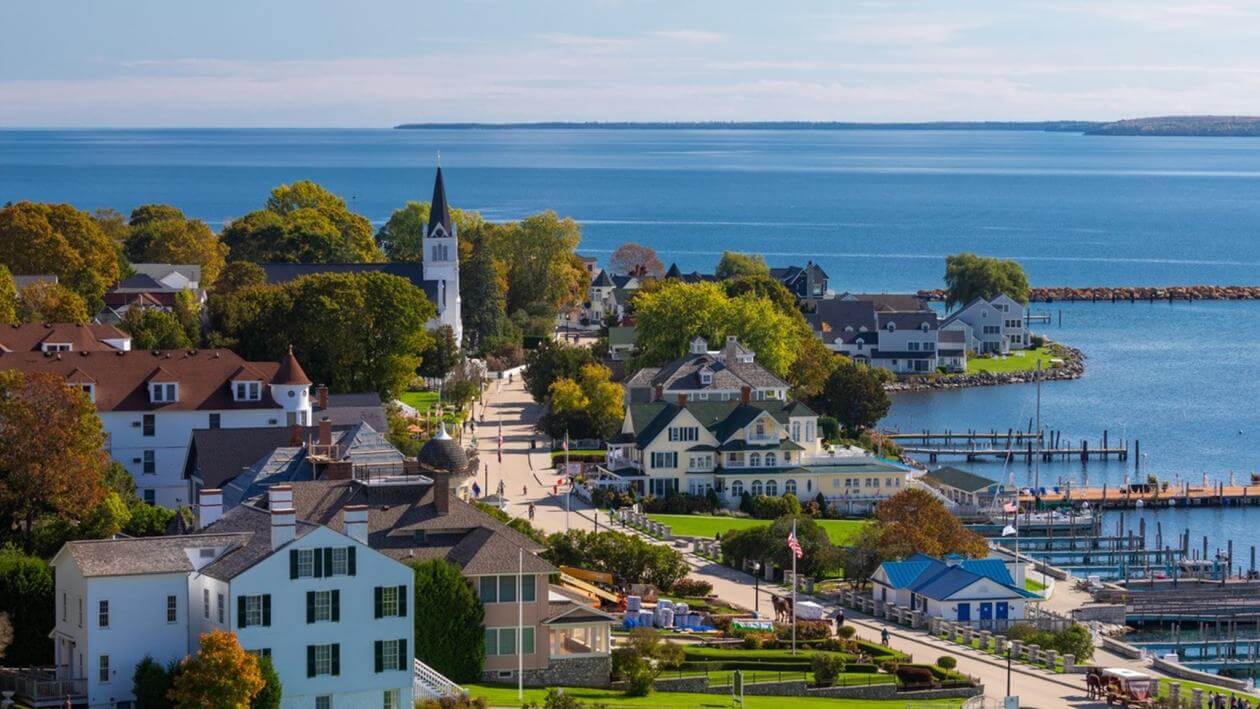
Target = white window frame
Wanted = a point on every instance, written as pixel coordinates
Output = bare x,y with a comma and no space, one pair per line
389,654
247,390
163,392
102,614
389,601
306,563
102,668
340,561
253,610
323,606
390,699
172,609
323,660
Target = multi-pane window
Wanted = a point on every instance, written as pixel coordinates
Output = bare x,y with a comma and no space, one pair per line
215,420
322,659
306,562
205,603
102,614
389,600
323,605
684,433
323,702
80,613
172,609
391,699
339,556
502,589
104,669
150,462
665,459
253,610
147,424
502,641
164,393
389,654
248,391
219,607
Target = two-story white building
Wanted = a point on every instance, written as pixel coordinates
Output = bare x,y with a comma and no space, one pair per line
331,613
908,341
150,403
768,447
992,326
901,341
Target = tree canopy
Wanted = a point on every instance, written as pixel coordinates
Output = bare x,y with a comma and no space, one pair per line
483,291
402,235
57,239
768,544
854,395
27,597
913,521
302,223
552,361
51,302
221,675
8,298
587,406
160,233
441,355
631,559
968,276
734,264
351,331
636,260
154,329
51,457
448,617
538,256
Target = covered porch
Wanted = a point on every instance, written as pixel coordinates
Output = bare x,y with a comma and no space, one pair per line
40,687
580,631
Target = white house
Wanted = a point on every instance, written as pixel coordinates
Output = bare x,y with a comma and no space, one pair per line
908,341
902,341
150,402
707,375
995,326
980,591
332,613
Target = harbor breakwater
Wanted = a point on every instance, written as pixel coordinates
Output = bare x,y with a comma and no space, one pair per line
1116,294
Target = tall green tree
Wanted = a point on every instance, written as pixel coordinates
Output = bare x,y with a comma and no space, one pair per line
27,596
734,265
550,362
151,682
57,239
51,302
271,693
8,298
401,236
302,223
854,396
353,331
483,292
540,263
161,233
968,276
154,329
448,614
441,355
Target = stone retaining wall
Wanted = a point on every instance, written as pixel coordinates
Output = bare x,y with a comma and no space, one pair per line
800,688
568,672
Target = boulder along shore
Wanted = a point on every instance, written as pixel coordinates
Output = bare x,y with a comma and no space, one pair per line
1117,294
1073,368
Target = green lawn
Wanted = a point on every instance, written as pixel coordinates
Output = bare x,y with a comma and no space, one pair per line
505,696
839,530
419,400
1034,586
1017,361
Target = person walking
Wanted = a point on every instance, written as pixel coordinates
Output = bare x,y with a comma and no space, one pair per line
883,636
531,512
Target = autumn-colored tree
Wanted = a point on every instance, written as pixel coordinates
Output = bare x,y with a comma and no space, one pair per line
51,457
592,394
812,367
57,239
162,234
636,260
220,676
8,298
539,260
51,302
302,223
154,329
734,264
913,521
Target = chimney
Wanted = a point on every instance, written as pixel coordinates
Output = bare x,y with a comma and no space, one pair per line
322,392
355,520
659,393
441,492
209,506
280,497
745,395
338,470
295,435
325,431
283,526
682,400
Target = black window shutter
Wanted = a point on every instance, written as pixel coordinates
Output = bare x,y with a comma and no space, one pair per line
293,563
380,603
267,609
310,606
350,560
336,659
379,647
336,605
402,653
319,563
328,567
310,660
402,601
240,612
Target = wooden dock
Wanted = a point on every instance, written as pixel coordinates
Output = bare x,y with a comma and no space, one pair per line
947,436
1026,452
1219,495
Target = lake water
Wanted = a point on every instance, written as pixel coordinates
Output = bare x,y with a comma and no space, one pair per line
879,210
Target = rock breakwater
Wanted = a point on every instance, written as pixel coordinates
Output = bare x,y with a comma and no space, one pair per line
1118,294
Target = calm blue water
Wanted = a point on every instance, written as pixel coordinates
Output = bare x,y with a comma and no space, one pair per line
878,209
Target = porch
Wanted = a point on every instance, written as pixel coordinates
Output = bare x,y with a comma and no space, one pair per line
40,687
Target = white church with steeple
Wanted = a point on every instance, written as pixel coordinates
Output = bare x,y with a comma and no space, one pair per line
440,259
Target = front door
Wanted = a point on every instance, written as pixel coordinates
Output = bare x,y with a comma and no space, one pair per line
964,612
1003,610
986,611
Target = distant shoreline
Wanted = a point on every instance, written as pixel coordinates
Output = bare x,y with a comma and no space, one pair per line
1044,126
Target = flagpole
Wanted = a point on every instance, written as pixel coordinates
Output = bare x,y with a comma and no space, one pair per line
794,588
568,479
520,626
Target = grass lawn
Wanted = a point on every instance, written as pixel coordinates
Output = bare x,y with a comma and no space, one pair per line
1034,586
839,530
419,400
1017,361
505,696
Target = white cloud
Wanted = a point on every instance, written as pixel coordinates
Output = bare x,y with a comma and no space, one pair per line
689,36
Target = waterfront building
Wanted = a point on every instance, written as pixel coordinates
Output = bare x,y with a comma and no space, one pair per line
707,375
963,487
978,591
901,341
808,283
991,326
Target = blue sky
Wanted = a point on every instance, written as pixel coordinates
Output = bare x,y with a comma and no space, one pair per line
377,63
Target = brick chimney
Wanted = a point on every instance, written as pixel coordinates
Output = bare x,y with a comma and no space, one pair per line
322,393
682,400
295,435
659,392
441,492
283,526
325,431
209,506
745,395
280,497
338,470
355,520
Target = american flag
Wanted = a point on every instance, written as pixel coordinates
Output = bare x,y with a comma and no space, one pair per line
500,441
794,545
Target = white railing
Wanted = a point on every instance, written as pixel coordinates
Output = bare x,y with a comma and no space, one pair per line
428,683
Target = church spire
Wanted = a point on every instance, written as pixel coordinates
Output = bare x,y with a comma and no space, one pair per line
439,211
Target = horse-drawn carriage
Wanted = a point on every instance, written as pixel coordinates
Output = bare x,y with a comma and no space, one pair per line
1120,685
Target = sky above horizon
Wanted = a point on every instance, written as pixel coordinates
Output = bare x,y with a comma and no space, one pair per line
99,63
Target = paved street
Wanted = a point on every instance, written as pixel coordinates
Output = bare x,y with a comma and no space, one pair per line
525,471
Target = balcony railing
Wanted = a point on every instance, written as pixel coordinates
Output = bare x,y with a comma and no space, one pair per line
40,686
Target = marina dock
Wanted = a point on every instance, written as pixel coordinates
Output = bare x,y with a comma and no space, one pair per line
1219,495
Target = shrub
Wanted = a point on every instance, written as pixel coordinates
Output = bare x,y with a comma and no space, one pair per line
758,641
678,503
639,683
827,668
269,696
631,559
829,427
805,630
1037,340
911,676
846,631
946,662
766,507
745,502
670,655
462,701
150,683
692,588
624,661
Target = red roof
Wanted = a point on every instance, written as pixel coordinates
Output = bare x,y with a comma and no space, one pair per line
121,378
31,337
290,371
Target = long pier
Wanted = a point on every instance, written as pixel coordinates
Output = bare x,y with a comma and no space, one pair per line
1218,495
1046,454
1012,444
1010,435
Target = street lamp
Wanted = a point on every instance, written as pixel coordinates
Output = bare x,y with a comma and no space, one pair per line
756,568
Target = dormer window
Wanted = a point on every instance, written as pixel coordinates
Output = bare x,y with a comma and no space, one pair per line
163,392
87,388
706,377
247,390
56,347
892,327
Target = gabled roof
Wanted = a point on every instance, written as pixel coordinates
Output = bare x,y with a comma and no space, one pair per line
216,455
602,280
412,271
683,374
938,580
30,337
959,479
907,319
890,301
722,418
844,321
254,526
145,555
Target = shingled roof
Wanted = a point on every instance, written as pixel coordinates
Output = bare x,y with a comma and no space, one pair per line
31,337
723,418
412,271
290,372
728,373
146,555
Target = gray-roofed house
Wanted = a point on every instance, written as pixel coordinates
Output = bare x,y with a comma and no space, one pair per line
707,375
962,486
808,283
153,285
902,302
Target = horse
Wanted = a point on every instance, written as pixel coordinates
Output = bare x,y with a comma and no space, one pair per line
1093,685
782,608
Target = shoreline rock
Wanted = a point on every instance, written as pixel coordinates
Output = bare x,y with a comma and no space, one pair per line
1073,368
1117,294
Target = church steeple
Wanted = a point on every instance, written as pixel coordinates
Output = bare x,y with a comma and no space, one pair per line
439,211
